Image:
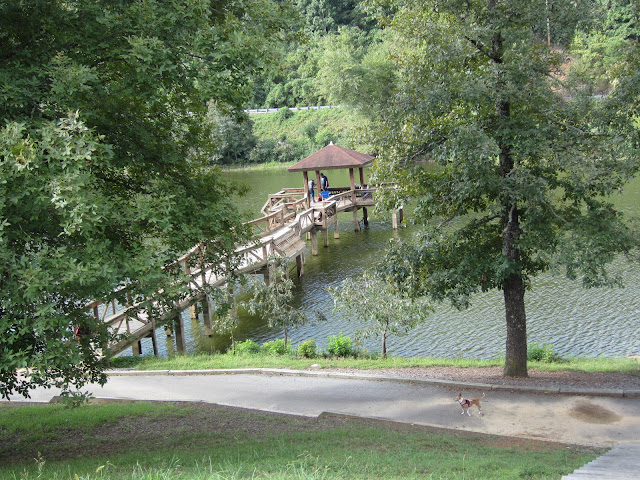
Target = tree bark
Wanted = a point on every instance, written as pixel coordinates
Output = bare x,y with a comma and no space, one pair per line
515,364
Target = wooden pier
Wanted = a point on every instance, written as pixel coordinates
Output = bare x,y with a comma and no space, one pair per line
289,217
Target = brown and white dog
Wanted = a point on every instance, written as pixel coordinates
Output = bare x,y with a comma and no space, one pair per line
466,403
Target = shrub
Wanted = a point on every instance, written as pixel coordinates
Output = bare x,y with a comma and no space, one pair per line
247,347
283,114
275,347
307,349
542,353
340,346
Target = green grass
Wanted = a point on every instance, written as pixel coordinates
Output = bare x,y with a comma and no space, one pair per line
226,443
228,360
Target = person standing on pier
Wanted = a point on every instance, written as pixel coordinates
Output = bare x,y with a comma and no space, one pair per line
312,185
324,182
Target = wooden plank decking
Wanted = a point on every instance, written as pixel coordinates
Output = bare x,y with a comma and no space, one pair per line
622,462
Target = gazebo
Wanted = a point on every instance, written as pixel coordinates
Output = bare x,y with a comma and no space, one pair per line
333,157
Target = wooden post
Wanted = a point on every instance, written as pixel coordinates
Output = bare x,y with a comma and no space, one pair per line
306,187
181,345
318,184
206,316
361,177
365,217
193,311
394,219
356,223
325,234
314,242
136,348
154,339
300,265
336,230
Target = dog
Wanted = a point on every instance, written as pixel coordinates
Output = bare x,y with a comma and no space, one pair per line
466,403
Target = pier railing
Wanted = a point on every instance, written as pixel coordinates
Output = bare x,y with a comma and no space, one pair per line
134,320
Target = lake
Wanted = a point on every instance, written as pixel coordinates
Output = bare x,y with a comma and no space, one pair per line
577,321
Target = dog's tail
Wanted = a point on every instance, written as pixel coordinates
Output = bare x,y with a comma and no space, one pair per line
482,395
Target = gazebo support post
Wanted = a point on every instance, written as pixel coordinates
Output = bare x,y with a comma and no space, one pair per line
318,183
306,188
336,230
356,223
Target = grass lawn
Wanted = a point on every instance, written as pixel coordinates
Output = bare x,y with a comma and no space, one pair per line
141,440
627,366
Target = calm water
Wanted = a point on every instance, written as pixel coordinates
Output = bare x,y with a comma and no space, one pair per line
576,321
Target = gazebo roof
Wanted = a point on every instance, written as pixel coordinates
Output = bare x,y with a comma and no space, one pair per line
332,157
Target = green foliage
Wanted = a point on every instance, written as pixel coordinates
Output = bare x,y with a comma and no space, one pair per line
379,305
307,349
283,114
542,353
598,50
98,203
247,347
271,300
521,175
340,346
275,347
232,138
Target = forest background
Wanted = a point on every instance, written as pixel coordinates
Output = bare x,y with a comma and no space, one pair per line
341,56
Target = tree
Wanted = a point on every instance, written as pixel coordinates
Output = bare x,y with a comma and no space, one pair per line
271,300
232,136
380,305
103,178
524,161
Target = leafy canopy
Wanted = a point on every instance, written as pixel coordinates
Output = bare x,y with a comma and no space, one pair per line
523,161
102,178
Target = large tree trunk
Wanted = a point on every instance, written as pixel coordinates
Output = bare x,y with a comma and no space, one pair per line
515,364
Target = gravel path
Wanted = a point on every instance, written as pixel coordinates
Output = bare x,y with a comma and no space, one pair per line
493,376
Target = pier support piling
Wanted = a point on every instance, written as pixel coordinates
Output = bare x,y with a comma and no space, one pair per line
206,316
356,222
178,325
193,311
314,243
300,265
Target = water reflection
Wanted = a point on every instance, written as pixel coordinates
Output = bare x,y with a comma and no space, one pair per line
576,321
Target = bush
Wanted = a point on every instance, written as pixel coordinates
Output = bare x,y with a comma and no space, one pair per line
283,114
275,347
340,346
307,349
542,353
247,347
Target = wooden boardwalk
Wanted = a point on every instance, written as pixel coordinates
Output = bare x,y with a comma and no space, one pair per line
622,462
288,216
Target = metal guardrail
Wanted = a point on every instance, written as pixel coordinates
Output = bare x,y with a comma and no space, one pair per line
256,111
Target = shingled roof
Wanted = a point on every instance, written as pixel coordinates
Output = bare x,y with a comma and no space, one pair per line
332,157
